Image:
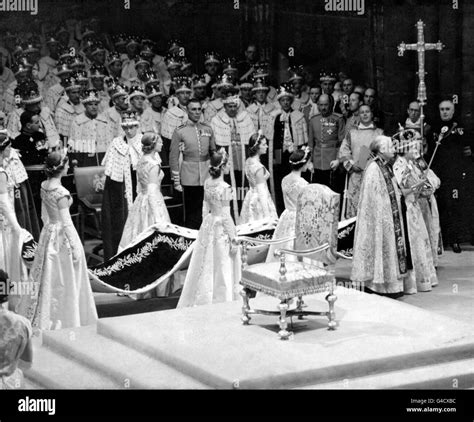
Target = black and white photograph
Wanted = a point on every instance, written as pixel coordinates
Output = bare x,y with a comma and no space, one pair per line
237,195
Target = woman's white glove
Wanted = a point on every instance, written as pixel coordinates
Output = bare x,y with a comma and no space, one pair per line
71,234
6,208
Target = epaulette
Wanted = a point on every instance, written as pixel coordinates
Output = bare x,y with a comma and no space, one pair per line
181,126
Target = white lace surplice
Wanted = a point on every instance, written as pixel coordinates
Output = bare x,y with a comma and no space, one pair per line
423,275
214,274
147,209
291,187
63,293
258,203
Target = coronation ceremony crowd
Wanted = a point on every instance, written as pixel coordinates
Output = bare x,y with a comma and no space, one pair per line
238,148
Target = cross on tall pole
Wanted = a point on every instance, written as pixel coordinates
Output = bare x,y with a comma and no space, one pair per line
420,47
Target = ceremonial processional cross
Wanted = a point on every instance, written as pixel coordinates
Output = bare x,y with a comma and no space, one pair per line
421,47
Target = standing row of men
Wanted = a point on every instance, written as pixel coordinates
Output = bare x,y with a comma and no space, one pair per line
75,98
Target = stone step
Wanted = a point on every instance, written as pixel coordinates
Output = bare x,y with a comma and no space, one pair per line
446,376
192,340
51,370
127,367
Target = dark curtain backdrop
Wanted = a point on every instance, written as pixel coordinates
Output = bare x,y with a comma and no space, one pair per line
365,47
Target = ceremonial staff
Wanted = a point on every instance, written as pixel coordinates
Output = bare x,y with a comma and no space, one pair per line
420,47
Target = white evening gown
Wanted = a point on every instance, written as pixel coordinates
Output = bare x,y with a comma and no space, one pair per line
291,187
258,203
214,274
149,207
63,296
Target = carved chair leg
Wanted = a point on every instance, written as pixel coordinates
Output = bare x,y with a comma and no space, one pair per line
283,333
245,307
331,298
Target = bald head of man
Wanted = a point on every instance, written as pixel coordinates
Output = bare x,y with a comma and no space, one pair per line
325,105
414,111
446,110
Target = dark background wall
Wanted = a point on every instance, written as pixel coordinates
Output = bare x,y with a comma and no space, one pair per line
365,47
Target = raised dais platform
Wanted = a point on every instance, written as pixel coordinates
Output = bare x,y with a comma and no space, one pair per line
380,343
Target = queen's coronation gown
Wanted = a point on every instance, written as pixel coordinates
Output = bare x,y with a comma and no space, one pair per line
291,187
149,207
423,275
258,203
214,272
63,295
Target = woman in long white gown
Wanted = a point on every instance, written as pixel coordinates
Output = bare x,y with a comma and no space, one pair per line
423,275
149,207
291,186
214,271
258,203
63,296
11,234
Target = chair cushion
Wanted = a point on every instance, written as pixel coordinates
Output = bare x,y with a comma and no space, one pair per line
301,279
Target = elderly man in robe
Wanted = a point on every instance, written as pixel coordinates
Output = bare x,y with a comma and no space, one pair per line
380,260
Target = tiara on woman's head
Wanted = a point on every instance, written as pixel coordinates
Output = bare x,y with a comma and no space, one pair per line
260,137
223,159
63,160
307,151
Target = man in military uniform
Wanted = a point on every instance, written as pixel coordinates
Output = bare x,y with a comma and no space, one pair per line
196,142
326,132
175,116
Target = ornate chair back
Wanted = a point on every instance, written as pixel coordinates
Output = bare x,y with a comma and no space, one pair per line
317,219
90,183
